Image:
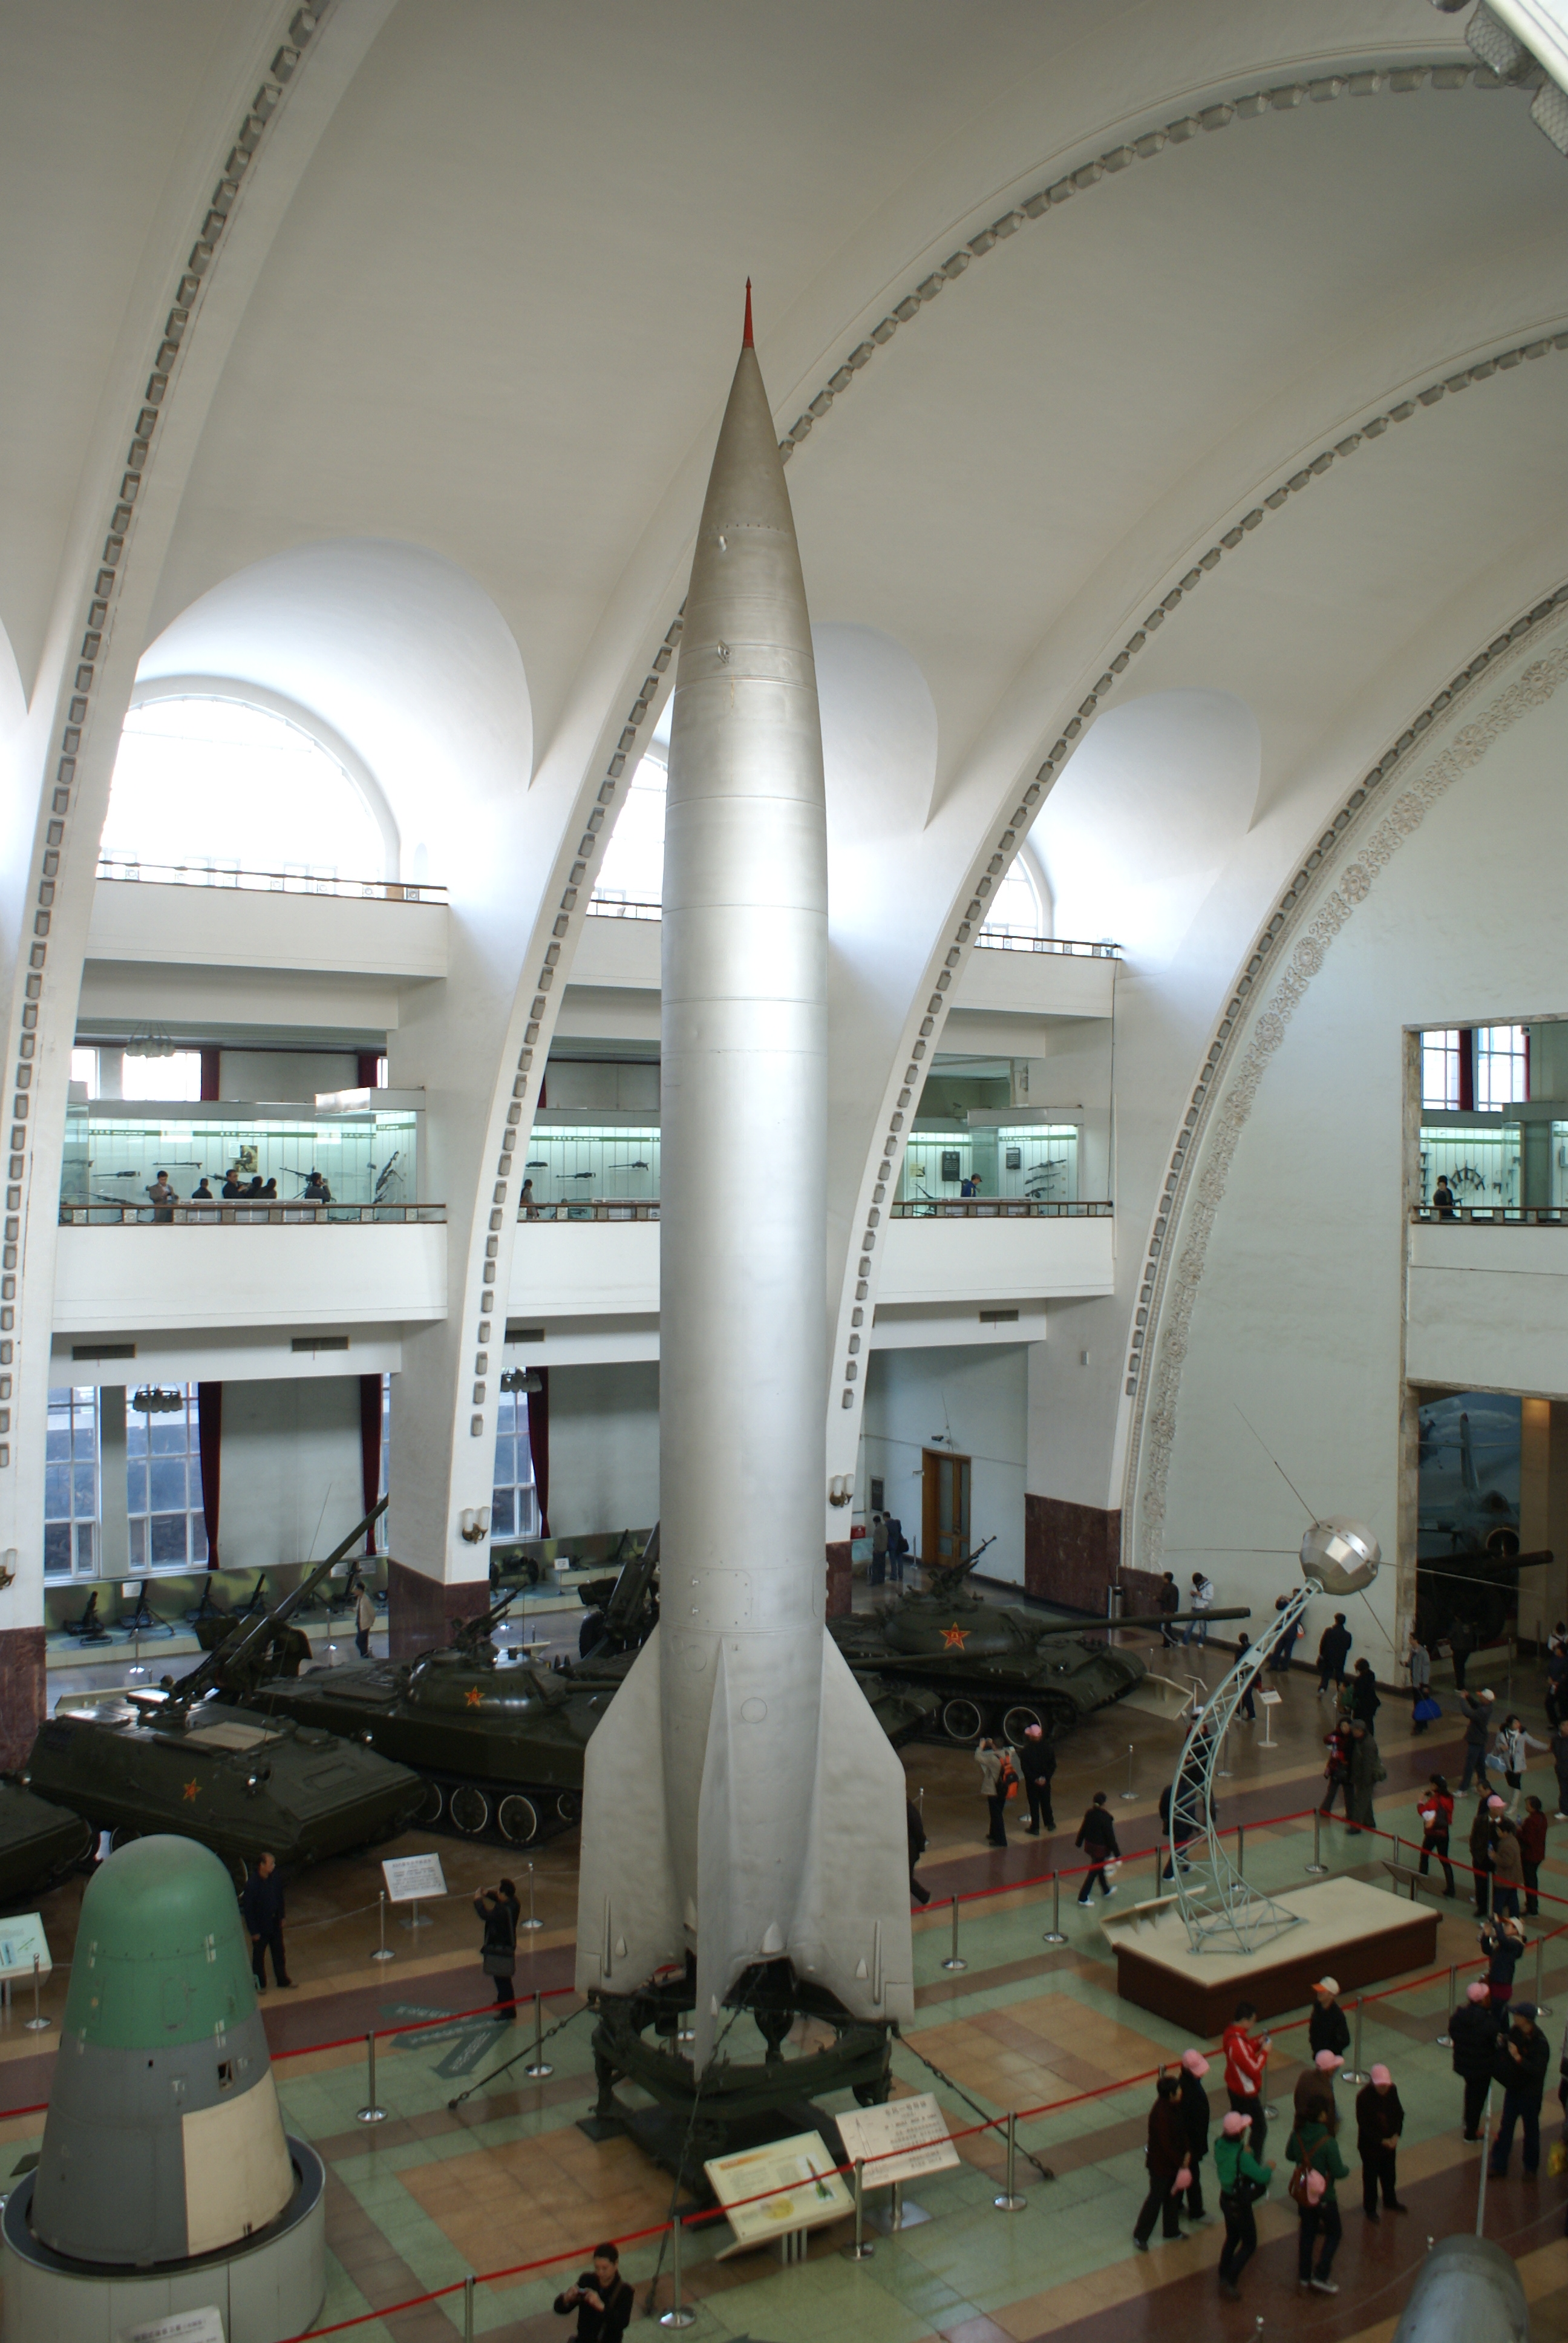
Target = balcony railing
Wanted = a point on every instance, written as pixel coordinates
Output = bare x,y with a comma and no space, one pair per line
616,906
602,1208
268,882
1519,1216
999,1208
245,1215
999,940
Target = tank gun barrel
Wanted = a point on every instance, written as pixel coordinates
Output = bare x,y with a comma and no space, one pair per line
624,1605
228,1658
473,1631
1160,1619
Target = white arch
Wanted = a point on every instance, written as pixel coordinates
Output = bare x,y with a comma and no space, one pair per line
304,719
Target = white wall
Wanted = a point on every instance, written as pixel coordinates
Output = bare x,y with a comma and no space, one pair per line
604,1447
291,1483
325,1275
1443,907
979,1396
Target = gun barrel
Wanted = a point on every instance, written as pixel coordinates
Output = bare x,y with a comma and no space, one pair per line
205,1674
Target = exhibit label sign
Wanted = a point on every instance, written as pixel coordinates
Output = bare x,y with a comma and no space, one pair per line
907,2137
791,2183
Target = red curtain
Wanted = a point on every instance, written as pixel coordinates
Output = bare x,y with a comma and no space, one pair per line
209,1442
368,1080
211,1067
539,1445
369,1448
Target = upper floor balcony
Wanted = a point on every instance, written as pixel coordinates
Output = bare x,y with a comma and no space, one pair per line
172,914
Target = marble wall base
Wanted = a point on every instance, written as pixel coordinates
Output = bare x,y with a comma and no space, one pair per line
421,1612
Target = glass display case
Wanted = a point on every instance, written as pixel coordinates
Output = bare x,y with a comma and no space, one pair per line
1031,1163
114,1150
1480,1156
574,1167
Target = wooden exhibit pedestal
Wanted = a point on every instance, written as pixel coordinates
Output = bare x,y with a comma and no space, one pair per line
1347,1929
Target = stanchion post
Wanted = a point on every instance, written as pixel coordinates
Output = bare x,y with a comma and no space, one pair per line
1444,2040
468,2308
36,2024
1542,2008
1353,2073
677,2314
1130,1792
1241,1850
372,2111
953,1960
1010,2201
1486,2160
383,1951
531,1922
540,2068
1317,1864
1053,1934
860,2251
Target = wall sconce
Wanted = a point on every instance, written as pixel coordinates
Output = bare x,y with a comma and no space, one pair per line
473,1527
8,1562
840,1489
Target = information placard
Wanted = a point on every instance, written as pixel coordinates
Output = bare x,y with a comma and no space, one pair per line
413,1878
908,2136
22,1936
791,2183
179,2327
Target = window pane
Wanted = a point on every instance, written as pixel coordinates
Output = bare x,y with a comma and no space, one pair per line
198,1538
168,1435
506,1456
56,1550
168,1483
56,1492
84,1491
137,1487
135,1436
138,1544
86,1548
168,1539
502,1512
58,1443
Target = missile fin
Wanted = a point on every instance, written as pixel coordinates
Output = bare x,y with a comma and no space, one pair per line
628,1922
851,1929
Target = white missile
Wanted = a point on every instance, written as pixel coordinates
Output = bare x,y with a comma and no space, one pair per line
740,1800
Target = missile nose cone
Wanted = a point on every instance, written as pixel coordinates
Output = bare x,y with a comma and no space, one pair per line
745,341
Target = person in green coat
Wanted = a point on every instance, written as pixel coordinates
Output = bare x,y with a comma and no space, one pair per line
1313,2145
1366,1771
1242,2180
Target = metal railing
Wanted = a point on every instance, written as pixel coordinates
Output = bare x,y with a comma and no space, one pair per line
1524,1216
615,907
1074,946
248,1215
267,882
600,1208
996,1207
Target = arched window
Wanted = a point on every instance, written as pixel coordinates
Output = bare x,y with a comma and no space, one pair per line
219,785
1017,908
632,870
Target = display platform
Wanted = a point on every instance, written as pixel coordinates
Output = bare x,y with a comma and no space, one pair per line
1355,1932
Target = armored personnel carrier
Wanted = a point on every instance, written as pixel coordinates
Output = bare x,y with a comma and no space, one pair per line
990,1667
181,1759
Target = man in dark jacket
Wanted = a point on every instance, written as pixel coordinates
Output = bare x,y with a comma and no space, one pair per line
1473,2030
1477,1733
1195,2116
1166,1602
1097,1837
916,1830
1166,2148
500,1911
1483,1839
1327,2028
601,2297
1333,1650
261,1902
1037,1764
1521,2062
1380,2120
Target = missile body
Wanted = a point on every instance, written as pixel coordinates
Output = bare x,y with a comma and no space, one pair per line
740,1801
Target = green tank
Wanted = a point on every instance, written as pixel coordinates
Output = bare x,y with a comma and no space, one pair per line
183,1759
990,1667
39,1843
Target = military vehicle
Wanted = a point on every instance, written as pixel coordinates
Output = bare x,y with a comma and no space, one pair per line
39,1844
179,1759
992,1667
498,1743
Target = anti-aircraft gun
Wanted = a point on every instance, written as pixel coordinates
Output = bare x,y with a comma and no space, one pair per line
990,1667
267,1646
623,1611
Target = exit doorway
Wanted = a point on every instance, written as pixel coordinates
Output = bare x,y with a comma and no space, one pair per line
944,1508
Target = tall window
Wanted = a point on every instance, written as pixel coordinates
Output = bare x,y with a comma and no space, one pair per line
632,870
514,1508
71,1485
222,786
1502,1065
1015,908
162,1483
176,1075
1440,1068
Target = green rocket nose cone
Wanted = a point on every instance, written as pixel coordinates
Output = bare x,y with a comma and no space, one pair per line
161,1951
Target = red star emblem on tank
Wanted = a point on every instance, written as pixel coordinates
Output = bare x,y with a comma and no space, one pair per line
190,1791
955,1637
474,1697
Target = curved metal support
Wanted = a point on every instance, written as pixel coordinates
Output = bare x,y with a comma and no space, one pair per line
1222,1912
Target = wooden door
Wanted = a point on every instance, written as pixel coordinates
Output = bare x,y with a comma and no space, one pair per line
944,1508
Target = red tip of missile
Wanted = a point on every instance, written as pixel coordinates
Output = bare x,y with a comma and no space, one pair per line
746,342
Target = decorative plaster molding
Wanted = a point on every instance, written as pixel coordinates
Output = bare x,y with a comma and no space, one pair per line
1334,881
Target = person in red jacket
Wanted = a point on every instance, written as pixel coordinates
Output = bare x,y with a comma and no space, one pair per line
1246,2055
1436,1808
1533,1850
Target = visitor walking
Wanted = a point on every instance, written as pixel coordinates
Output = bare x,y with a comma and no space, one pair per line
1366,1771
1483,1839
1380,2120
1436,1808
1473,2029
1165,2156
1477,1708
915,1831
1284,1642
1246,1706
1533,1853
262,1907
1037,1764
1195,2116
1166,1602
1314,2152
1333,1650
997,1783
500,1911
1337,1768
1327,2028
1242,2180
1507,1870
1522,2061
1418,1660
364,1620
1365,1701
1200,1602
1513,1747
1246,2058
1097,1837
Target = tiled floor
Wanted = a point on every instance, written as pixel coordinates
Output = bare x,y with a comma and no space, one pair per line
507,2179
